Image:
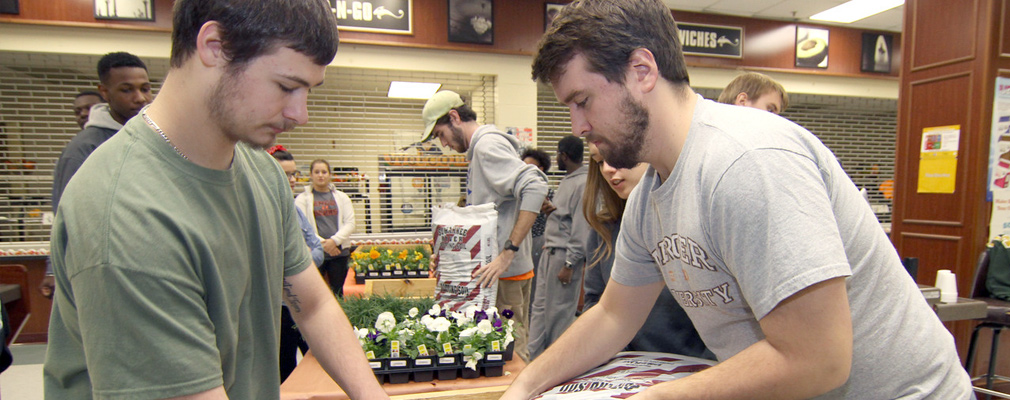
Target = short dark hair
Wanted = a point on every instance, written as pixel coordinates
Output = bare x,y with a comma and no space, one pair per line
250,29
90,93
281,155
541,156
117,60
465,114
572,147
606,32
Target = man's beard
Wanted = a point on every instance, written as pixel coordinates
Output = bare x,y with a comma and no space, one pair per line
626,151
457,138
222,111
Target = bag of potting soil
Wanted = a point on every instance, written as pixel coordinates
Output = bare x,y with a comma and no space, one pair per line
624,375
465,239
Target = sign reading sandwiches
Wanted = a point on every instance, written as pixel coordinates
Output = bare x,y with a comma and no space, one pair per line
711,40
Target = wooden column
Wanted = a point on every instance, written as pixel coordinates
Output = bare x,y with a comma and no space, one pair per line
953,51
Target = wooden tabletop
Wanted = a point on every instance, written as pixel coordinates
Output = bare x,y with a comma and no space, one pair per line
309,382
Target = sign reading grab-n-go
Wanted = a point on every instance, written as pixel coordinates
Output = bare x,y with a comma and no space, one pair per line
379,16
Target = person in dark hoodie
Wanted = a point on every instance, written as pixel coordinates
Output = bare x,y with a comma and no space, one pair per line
123,81
125,84
495,174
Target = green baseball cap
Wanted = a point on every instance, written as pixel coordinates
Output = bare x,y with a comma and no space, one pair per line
437,106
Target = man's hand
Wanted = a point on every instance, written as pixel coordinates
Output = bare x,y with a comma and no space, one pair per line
330,247
547,208
489,274
48,286
565,275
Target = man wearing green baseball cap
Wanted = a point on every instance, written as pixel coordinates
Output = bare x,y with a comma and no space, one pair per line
495,174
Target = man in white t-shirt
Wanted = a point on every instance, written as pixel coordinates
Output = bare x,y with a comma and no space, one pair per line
747,219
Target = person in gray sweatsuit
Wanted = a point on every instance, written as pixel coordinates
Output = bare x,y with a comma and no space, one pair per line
564,256
495,174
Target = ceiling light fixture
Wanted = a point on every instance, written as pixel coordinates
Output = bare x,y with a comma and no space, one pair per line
412,90
855,10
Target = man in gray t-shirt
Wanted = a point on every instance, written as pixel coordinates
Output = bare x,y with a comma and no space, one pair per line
747,219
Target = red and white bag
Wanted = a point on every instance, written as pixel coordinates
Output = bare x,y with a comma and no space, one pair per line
465,239
625,375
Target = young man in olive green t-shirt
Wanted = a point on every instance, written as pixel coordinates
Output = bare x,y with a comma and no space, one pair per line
169,264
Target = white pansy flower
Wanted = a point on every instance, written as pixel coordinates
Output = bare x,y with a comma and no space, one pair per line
508,339
385,322
470,311
413,312
435,310
440,324
361,333
468,332
485,327
492,311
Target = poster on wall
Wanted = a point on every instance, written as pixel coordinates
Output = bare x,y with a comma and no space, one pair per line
877,52
135,10
999,223
378,16
811,47
470,21
938,159
999,140
551,11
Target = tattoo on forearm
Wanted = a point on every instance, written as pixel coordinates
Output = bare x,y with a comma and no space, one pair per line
291,298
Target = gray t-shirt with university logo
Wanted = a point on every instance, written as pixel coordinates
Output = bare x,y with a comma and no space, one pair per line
758,209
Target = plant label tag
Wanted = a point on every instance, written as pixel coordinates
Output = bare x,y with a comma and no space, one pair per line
466,347
370,355
394,348
447,348
495,346
422,350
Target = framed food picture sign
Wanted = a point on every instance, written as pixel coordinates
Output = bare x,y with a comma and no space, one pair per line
134,10
471,21
877,52
811,47
551,11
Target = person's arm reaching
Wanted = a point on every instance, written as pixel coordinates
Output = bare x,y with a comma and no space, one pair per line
592,340
325,327
509,176
489,273
807,351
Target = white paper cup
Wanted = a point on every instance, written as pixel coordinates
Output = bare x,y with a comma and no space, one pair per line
947,284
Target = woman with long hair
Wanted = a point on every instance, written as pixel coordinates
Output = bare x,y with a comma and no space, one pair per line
668,328
332,216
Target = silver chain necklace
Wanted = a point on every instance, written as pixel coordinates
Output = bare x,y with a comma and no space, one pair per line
156,128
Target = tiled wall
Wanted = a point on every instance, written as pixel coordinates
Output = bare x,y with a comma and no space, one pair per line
860,131
351,122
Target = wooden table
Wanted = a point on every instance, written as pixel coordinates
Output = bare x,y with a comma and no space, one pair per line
960,310
309,382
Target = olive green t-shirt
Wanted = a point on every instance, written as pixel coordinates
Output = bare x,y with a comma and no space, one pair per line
169,275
